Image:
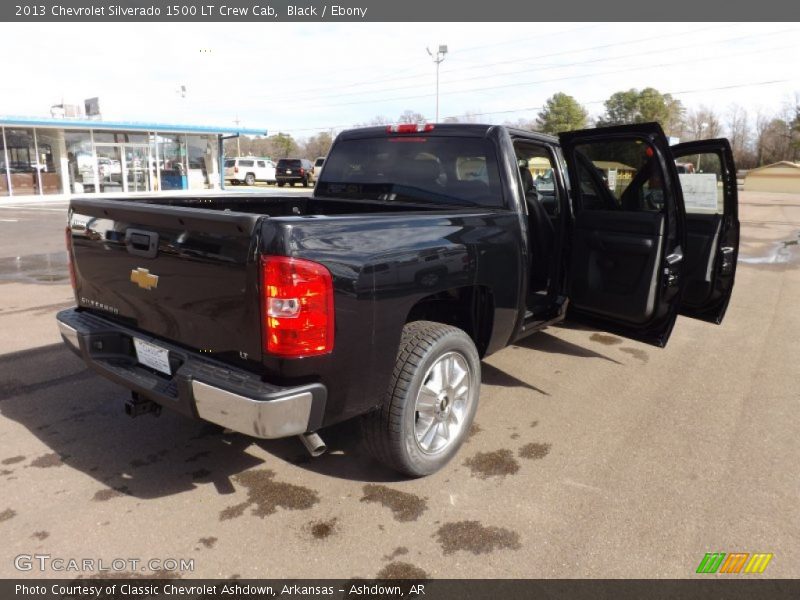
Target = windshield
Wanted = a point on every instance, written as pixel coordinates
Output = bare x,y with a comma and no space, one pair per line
445,170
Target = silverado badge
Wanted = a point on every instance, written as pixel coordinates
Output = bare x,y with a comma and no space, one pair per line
144,279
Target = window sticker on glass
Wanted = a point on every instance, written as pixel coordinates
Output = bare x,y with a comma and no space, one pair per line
699,191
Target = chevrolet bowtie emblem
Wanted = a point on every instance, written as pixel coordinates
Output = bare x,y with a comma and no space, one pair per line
144,279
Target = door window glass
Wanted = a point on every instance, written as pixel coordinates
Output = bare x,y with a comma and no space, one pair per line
702,183
619,175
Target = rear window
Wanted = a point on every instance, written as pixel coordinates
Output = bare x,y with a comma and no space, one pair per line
245,163
230,163
444,170
287,163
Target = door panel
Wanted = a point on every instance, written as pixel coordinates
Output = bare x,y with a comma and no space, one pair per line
626,262
708,179
615,256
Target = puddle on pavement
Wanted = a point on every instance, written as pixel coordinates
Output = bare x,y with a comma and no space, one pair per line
265,495
12,460
7,514
404,506
471,536
636,353
35,268
401,570
399,551
323,529
208,542
49,460
783,252
606,340
534,451
492,464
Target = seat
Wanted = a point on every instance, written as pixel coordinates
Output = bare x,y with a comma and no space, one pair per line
542,233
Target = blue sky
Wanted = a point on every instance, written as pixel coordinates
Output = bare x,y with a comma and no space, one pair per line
303,78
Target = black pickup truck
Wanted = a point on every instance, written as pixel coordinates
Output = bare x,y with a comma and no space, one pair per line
423,249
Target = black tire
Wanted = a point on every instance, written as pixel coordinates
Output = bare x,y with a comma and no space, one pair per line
281,184
389,432
305,182
235,181
250,179
291,183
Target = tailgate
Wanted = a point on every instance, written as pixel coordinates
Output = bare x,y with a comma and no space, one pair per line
182,274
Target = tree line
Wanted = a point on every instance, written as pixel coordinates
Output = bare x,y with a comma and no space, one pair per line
756,139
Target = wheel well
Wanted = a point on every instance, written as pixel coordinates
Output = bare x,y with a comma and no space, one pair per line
468,308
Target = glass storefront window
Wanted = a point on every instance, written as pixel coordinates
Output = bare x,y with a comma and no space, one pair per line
172,159
119,137
22,164
5,174
51,158
202,161
81,165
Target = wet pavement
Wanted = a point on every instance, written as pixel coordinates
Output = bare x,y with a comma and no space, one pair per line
588,450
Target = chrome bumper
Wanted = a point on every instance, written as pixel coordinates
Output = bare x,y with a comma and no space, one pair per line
199,387
278,418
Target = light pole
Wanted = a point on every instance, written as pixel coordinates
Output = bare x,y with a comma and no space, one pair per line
238,147
438,58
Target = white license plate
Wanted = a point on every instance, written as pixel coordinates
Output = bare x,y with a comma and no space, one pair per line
152,356
288,171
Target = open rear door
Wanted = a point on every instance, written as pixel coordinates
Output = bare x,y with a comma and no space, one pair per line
708,179
626,260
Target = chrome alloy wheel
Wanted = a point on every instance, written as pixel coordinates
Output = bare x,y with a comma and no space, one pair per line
443,403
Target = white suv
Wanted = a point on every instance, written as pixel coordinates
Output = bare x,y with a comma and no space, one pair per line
249,169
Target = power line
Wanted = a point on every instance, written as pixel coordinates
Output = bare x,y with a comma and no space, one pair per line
312,92
565,65
551,80
532,108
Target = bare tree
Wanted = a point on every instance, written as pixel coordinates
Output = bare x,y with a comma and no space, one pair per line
702,123
739,135
410,116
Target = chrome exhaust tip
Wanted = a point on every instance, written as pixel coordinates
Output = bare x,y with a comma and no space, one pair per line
313,443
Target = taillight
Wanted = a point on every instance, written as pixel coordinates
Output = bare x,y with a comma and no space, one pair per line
297,307
235,169
409,128
302,171
70,259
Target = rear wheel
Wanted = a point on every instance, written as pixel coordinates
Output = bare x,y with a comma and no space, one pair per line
280,184
291,183
250,179
305,182
431,400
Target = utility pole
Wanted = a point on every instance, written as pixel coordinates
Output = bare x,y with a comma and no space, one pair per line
438,58
238,146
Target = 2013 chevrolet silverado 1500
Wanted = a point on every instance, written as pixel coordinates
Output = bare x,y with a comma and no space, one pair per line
423,249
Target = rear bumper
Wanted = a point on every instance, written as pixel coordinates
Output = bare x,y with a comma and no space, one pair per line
199,386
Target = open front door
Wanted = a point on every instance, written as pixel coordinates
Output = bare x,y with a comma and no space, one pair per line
626,261
708,179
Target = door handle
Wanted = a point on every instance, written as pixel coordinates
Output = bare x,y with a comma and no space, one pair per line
726,260
672,269
141,243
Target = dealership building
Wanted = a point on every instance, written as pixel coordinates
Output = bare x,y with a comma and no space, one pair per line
43,156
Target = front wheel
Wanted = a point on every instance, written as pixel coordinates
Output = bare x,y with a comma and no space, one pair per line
250,179
431,401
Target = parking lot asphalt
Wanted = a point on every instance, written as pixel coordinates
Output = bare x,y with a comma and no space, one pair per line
591,455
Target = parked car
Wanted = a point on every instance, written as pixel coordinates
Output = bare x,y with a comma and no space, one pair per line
249,170
377,296
294,170
318,167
